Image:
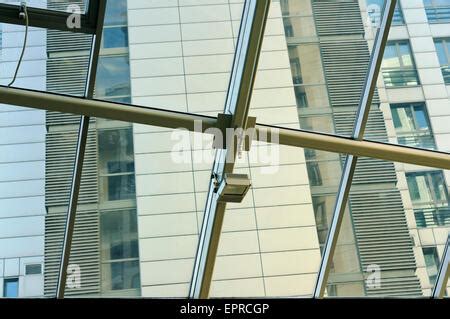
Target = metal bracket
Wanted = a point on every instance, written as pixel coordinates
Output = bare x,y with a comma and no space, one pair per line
232,188
240,138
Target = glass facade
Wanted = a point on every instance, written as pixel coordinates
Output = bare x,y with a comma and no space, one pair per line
412,125
144,189
398,65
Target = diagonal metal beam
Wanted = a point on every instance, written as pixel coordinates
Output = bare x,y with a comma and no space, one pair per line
444,272
240,90
51,19
80,152
175,120
358,134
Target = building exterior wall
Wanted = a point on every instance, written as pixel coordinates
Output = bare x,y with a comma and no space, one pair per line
435,94
22,165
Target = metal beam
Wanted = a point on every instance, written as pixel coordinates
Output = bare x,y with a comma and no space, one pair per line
103,109
444,271
174,120
347,145
240,90
51,19
80,152
358,134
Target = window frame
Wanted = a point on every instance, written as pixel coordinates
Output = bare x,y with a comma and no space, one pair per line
446,45
416,133
110,261
402,68
7,280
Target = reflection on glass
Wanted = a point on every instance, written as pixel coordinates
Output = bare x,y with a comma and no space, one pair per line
119,252
398,65
299,27
56,5
432,263
289,7
412,125
438,11
116,164
375,8
113,76
443,52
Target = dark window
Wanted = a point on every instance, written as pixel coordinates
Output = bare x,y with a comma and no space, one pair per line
33,269
119,250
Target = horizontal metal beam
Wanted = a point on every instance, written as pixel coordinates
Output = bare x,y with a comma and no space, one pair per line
174,120
364,148
50,19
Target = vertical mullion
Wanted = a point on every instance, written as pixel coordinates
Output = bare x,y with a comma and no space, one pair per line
237,104
362,116
80,153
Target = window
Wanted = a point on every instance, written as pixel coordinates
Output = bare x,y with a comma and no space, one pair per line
115,32
398,65
320,212
432,262
113,77
314,175
119,250
438,11
412,125
116,161
429,196
33,269
11,287
375,8
443,52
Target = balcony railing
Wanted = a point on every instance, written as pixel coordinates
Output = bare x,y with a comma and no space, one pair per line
400,77
432,217
438,14
424,140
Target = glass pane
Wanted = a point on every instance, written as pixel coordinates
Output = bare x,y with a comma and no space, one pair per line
50,62
312,78
400,217
11,288
271,242
414,102
138,232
